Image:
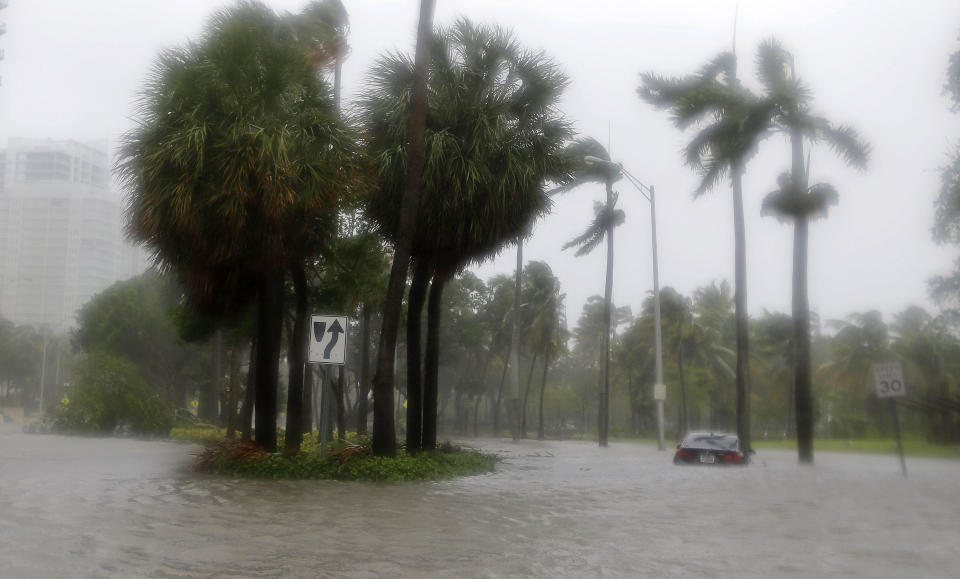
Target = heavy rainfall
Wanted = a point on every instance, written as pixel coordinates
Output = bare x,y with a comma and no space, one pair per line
337,288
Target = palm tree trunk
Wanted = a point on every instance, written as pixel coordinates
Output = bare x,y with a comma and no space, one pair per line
210,395
478,400
803,400
496,404
684,425
384,428
415,299
341,390
543,389
801,340
740,309
607,299
234,385
526,397
269,332
297,358
365,317
514,361
249,395
432,361
308,397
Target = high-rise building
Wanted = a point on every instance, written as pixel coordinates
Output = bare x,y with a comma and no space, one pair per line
61,233
3,28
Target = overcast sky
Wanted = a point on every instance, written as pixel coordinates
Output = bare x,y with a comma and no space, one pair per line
71,70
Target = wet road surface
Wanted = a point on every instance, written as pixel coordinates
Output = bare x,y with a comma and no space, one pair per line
83,507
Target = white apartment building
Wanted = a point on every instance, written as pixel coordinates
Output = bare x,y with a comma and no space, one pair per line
61,232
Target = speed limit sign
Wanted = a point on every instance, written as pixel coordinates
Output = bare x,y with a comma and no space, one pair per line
888,378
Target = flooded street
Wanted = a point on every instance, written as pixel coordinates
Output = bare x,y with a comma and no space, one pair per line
75,507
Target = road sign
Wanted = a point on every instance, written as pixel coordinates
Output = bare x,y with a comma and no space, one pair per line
888,378
328,339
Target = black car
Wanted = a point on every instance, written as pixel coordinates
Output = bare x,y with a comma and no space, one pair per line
708,448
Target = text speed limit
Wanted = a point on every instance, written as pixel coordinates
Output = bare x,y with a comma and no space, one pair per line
888,379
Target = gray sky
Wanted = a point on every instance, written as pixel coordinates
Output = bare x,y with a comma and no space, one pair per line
72,69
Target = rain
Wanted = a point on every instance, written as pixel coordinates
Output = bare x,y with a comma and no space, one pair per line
199,328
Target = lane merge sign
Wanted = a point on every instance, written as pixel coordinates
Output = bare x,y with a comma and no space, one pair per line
888,379
328,339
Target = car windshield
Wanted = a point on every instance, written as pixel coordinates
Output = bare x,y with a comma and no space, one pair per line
711,441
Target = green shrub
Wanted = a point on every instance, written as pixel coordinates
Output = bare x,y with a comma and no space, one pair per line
111,396
310,465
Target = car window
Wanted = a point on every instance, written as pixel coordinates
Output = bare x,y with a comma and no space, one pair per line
710,441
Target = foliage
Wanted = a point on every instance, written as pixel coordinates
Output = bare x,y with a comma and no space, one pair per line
198,434
231,162
111,396
448,462
137,320
946,226
493,140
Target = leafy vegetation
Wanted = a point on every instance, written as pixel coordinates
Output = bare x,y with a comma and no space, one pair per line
343,462
111,397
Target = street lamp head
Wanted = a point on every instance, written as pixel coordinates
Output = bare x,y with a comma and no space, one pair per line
597,161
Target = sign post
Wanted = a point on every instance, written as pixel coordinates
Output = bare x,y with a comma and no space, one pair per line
888,379
328,345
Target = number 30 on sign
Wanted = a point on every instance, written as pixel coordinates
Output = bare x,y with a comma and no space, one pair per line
888,378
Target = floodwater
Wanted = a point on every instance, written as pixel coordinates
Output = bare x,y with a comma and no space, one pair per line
82,507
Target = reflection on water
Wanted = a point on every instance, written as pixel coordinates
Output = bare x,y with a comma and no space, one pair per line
72,507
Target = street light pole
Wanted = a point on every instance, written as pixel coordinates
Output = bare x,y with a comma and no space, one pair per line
659,389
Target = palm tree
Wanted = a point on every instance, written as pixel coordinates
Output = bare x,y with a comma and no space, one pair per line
712,305
735,120
493,140
606,217
544,331
589,336
798,202
499,315
384,434
237,153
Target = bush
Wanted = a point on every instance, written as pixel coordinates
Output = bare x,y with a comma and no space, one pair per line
351,462
110,397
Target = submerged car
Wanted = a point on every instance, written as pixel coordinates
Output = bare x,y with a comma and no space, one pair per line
708,448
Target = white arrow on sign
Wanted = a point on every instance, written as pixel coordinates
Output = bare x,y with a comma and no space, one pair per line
888,378
328,339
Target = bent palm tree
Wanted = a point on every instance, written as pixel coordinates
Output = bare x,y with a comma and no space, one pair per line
734,120
606,217
797,202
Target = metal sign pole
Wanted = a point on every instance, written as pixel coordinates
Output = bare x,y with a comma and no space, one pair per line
888,377
896,430
323,414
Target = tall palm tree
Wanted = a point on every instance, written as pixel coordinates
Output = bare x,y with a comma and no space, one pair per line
321,30
606,218
733,121
589,334
796,201
544,313
498,316
384,434
712,305
493,139
237,153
